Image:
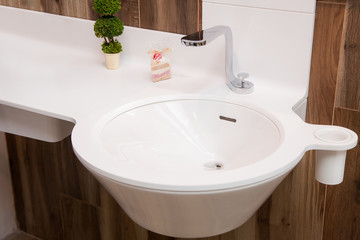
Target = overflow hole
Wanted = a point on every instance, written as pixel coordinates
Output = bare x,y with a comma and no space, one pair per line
227,119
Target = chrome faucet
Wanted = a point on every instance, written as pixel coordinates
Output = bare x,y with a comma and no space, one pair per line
237,84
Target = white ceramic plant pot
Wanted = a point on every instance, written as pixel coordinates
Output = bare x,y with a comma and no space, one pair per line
112,60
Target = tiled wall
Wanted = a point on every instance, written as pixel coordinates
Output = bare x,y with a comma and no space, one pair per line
57,198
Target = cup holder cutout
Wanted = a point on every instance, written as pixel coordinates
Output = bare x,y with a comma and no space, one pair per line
333,135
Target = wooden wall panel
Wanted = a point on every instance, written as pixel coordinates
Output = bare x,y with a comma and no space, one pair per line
31,5
114,222
295,209
325,60
129,13
342,214
342,209
332,1
57,198
348,91
73,179
73,8
170,15
10,3
35,184
79,220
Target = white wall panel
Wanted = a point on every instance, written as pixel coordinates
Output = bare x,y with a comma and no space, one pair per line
287,5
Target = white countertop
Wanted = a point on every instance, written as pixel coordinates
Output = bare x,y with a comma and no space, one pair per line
46,72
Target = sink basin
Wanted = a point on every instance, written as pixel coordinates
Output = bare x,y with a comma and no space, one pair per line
174,163
198,135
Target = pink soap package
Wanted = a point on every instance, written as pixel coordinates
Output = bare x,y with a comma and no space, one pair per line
160,63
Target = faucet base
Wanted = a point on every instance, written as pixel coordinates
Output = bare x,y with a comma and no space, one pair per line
243,87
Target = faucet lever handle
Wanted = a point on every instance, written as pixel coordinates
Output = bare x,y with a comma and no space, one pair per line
243,76
241,85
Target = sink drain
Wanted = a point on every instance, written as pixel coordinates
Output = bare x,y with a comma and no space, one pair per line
214,165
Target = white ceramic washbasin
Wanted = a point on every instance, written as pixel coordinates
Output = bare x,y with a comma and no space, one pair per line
174,163
196,135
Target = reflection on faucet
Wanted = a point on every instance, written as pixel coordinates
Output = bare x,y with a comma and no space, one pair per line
237,84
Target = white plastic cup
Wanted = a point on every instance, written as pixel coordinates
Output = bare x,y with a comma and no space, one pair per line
330,166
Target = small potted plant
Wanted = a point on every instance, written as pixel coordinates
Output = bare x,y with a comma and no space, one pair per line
109,26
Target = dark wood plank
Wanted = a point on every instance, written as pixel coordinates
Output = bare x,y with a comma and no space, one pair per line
325,60
74,179
31,5
178,16
155,236
73,8
114,222
35,186
332,1
42,174
90,12
80,220
263,220
348,90
295,209
130,13
10,3
245,231
342,214
47,6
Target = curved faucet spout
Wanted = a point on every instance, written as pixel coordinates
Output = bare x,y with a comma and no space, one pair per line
236,84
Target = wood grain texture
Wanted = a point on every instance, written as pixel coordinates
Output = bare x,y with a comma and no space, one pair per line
31,4
325,60
57,198
34,175
332,1
342,214
74,179
73,8
348,91
10,3
178,16
79,219
130,13
115,224
295,209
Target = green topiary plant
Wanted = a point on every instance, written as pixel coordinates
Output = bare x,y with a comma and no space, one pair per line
107,7
112,47
108,26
